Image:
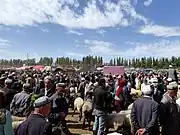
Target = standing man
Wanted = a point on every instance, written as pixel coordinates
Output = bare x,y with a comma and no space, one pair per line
101,97
172,74
144,115
60,105
36,123
59,108
49,89
170,112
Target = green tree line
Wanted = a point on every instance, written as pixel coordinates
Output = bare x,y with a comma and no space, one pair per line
89,61
95,61
146,62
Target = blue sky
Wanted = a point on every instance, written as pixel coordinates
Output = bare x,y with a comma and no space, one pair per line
76,28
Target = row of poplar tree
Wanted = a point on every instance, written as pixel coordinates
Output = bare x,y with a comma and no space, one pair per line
95,61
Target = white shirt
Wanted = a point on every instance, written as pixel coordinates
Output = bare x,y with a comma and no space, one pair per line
178,101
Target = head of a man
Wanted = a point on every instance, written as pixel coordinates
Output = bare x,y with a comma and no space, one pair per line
60,88
48,82
102,82
26,87
8,83
172,89
43,106
148,90
170,66
154,82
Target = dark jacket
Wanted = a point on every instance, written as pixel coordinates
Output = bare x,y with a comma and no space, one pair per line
173,75
9,94
145,115
81,89
101,98
49,92
59,104
34,125
169,116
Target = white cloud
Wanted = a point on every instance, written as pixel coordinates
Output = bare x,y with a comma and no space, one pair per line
160,31
73,54
7,52
147,3
96,46
76,41
44,30
31,12
101,31
162,48
4,43
75,32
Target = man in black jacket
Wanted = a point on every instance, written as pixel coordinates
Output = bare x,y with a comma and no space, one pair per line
101,97
37,123
144,115
49,89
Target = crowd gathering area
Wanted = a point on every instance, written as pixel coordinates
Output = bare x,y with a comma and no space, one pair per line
34,102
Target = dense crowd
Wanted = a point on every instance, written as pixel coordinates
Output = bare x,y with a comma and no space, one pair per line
138,103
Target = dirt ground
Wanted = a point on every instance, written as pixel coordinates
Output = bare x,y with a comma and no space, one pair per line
74,125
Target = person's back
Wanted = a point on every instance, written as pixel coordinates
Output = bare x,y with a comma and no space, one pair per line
20,103
34,125
172,74
144,114
100,98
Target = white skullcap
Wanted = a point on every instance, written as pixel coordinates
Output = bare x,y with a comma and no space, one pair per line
172,86
119,77
72,89
13,73
154,80
170,66
147,90
169,79
82,79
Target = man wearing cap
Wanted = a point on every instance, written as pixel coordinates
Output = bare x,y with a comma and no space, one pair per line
170,111
172,74
59,107
144,114
21,102
81,88
36,123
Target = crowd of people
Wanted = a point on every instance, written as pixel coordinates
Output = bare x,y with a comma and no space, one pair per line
40,101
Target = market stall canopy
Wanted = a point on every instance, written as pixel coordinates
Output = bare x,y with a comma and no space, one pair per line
23,68
39,67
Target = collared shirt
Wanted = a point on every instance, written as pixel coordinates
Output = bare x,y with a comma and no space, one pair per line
46,91
147,96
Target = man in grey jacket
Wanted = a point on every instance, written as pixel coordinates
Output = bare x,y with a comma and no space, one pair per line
144,114
170,111
172,74
21,102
